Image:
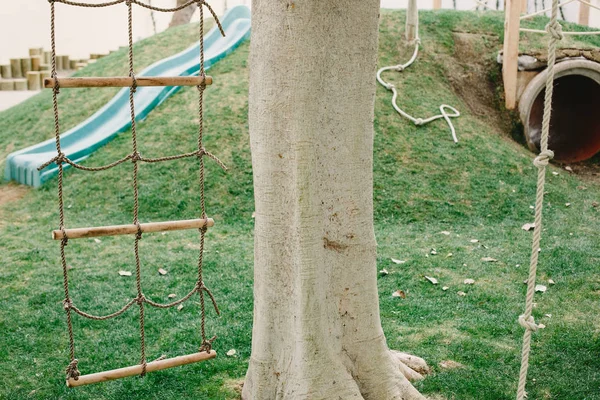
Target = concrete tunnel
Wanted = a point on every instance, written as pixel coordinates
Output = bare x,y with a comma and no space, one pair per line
575,122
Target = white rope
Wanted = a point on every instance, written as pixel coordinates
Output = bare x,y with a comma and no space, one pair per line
541,161
572,33
417,121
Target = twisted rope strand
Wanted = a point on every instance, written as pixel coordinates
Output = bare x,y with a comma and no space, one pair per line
541,161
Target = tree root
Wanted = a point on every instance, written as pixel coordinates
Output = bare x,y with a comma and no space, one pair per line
412,367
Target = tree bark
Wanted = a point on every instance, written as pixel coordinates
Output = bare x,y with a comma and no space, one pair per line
183,16
317,332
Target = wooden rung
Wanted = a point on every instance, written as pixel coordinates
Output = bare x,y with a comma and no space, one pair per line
137,369
132,229
125,81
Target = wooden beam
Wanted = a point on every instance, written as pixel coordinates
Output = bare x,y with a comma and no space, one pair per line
132,229
437,4
584,14
126,81
137,369
510,57
524,6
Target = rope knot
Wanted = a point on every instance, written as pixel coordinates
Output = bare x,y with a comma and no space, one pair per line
419,121
140,299
138,235
72,371
135,157
554,28
132,75
528,323
67,304
207,344
543,158
399,67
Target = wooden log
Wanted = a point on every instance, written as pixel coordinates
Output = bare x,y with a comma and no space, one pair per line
73,64
584,14
21,84
510,55
412,21
65,62
15,67
36,61
37,51
25,66
44,67
47,57
5,71
437,4
137,369
7,85
126,81
59,65
44,75
33,80
149,227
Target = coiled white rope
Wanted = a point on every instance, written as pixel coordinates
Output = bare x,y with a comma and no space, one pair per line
417,121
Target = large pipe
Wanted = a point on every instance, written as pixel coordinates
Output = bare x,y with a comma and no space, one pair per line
575,122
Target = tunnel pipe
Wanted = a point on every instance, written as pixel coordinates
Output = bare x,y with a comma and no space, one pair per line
575,122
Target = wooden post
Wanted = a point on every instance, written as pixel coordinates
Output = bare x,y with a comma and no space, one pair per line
38,51
437,4
59,66
584,14
21,84
45,74
47,57
6,71
65,62
36,61
25,66
510,55
524,6
412,21
15,67
137,369
33,80
7,84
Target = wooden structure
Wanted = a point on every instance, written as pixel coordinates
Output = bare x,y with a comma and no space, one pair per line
512,24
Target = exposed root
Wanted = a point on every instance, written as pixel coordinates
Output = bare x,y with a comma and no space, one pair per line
414,368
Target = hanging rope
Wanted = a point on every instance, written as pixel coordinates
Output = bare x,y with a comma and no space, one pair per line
541,161
417,121
135,157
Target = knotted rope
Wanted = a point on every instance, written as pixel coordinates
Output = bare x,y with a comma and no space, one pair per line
541,161
61,158
417,121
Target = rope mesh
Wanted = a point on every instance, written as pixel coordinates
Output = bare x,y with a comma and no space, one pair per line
60,159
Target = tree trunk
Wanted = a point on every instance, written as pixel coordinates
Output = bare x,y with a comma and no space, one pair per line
317,332
183,16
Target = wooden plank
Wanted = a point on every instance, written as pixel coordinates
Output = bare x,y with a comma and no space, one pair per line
584,14
437,4
132,229
510,56
125,81
137,369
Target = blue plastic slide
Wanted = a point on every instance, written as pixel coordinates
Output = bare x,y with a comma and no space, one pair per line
81,141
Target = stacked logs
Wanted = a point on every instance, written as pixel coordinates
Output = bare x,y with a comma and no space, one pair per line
29,73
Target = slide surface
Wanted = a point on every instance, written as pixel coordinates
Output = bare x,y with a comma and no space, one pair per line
78,143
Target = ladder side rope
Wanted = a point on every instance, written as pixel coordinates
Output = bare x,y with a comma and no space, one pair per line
444,108
526,320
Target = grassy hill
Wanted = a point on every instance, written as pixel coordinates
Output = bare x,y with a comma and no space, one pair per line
480,189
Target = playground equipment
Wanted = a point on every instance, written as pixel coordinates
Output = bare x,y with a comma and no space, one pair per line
412,34
81,141
575,128
137,228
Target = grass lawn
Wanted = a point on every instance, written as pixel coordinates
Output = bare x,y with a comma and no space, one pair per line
480,189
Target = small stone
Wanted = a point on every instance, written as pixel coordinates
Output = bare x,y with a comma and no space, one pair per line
474,240
172,296
528,226
554,173
461,293
469,281
540,288
162,271
567,168
567,204
231,353
445,288
551,282
180,307
97,240
383,272
125,273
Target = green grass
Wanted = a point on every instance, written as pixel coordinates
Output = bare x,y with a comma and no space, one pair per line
424,184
